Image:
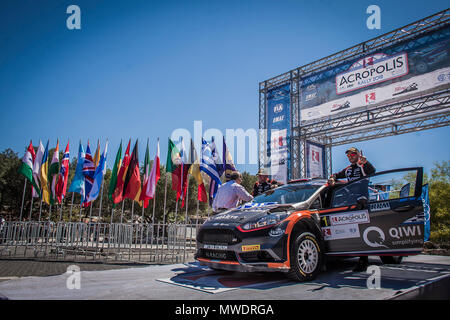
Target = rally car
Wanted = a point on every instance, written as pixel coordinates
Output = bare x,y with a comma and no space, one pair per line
295,227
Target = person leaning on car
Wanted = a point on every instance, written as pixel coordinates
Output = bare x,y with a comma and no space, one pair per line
230,193
263,184
359,167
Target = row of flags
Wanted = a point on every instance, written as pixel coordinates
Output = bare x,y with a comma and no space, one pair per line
49,177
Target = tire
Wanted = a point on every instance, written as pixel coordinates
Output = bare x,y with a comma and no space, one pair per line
305,257
391,259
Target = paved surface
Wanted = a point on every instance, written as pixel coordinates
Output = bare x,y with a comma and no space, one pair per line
338,282
14,268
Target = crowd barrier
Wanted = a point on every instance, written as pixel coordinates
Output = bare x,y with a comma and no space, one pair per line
101,242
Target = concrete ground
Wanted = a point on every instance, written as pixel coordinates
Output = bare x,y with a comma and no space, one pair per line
169,282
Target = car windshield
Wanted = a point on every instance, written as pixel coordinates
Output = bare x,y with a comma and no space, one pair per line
288,194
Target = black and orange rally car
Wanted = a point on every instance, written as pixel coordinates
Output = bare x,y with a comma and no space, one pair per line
295,227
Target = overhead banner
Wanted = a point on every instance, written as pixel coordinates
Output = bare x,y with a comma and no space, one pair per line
315,160
278,131
411,68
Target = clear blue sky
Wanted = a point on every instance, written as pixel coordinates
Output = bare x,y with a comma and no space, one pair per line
142,69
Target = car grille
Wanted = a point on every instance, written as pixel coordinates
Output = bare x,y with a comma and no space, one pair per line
217,255
218,236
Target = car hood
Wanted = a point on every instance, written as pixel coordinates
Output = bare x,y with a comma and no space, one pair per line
248,212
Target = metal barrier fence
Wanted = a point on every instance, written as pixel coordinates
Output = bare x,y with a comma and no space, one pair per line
102,242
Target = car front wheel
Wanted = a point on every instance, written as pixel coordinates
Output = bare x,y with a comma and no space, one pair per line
305,257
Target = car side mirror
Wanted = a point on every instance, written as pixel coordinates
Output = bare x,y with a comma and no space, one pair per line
361,203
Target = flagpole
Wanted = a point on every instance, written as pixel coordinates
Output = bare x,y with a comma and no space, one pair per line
40,210
121,215
31,207
23,198
164,217
101,200
71,205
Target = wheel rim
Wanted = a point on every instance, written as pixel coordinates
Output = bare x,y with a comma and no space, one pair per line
308,256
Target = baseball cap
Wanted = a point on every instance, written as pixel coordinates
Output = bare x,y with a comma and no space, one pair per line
352,149
263,172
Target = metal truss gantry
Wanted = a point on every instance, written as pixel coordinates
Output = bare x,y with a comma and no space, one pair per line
427,111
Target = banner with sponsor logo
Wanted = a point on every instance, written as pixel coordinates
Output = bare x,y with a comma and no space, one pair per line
401,71
315,160
278,131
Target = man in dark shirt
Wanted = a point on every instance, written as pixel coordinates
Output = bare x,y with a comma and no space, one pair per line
263,184
359,167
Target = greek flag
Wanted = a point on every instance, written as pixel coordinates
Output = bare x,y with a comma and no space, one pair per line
426,212
208,164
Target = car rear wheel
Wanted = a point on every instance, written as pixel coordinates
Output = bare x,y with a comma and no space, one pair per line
305,257
391,259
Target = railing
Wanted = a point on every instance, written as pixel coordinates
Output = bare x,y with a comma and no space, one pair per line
102,242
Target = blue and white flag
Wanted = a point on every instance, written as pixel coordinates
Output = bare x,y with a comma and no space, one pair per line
77,184
208,165
98,176
426,212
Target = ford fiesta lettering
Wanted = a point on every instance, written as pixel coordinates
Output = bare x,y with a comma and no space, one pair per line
295,227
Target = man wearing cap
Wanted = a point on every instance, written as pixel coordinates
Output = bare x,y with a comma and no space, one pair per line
359,167
263,184
230,193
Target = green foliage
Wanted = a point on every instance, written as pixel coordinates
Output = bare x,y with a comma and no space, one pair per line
439,193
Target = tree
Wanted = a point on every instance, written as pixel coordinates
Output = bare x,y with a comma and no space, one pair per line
439,193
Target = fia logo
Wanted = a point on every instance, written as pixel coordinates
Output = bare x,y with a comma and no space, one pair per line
370,97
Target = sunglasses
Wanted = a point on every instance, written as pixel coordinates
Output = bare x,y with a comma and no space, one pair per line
352,154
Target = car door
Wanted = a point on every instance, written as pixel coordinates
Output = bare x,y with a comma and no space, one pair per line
380,214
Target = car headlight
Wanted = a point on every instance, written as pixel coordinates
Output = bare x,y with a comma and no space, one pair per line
267,221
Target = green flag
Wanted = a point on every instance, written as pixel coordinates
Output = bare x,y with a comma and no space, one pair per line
173,157
115,171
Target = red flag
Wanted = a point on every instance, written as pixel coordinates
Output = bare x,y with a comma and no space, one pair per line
132,183
63,176
151,178
118,192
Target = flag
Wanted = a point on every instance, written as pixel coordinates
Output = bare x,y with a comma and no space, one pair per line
184,169
228,165
194,170
77,184
118,192
132,183
173,158
98,176
144,197
154,175
63,175
53,172
97,154
37,168
214,185
44,177
88,172
26,168
208,165
115,171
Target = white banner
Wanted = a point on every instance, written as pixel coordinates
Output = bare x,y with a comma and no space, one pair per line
374,96
278,155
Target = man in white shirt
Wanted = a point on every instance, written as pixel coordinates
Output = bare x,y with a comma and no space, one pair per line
230,193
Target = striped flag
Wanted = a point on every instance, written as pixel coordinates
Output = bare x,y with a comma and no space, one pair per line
37,168
63,175
208,166
194,170
26,168
118,192
88,172
44,177
53,172
228,165
114,174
